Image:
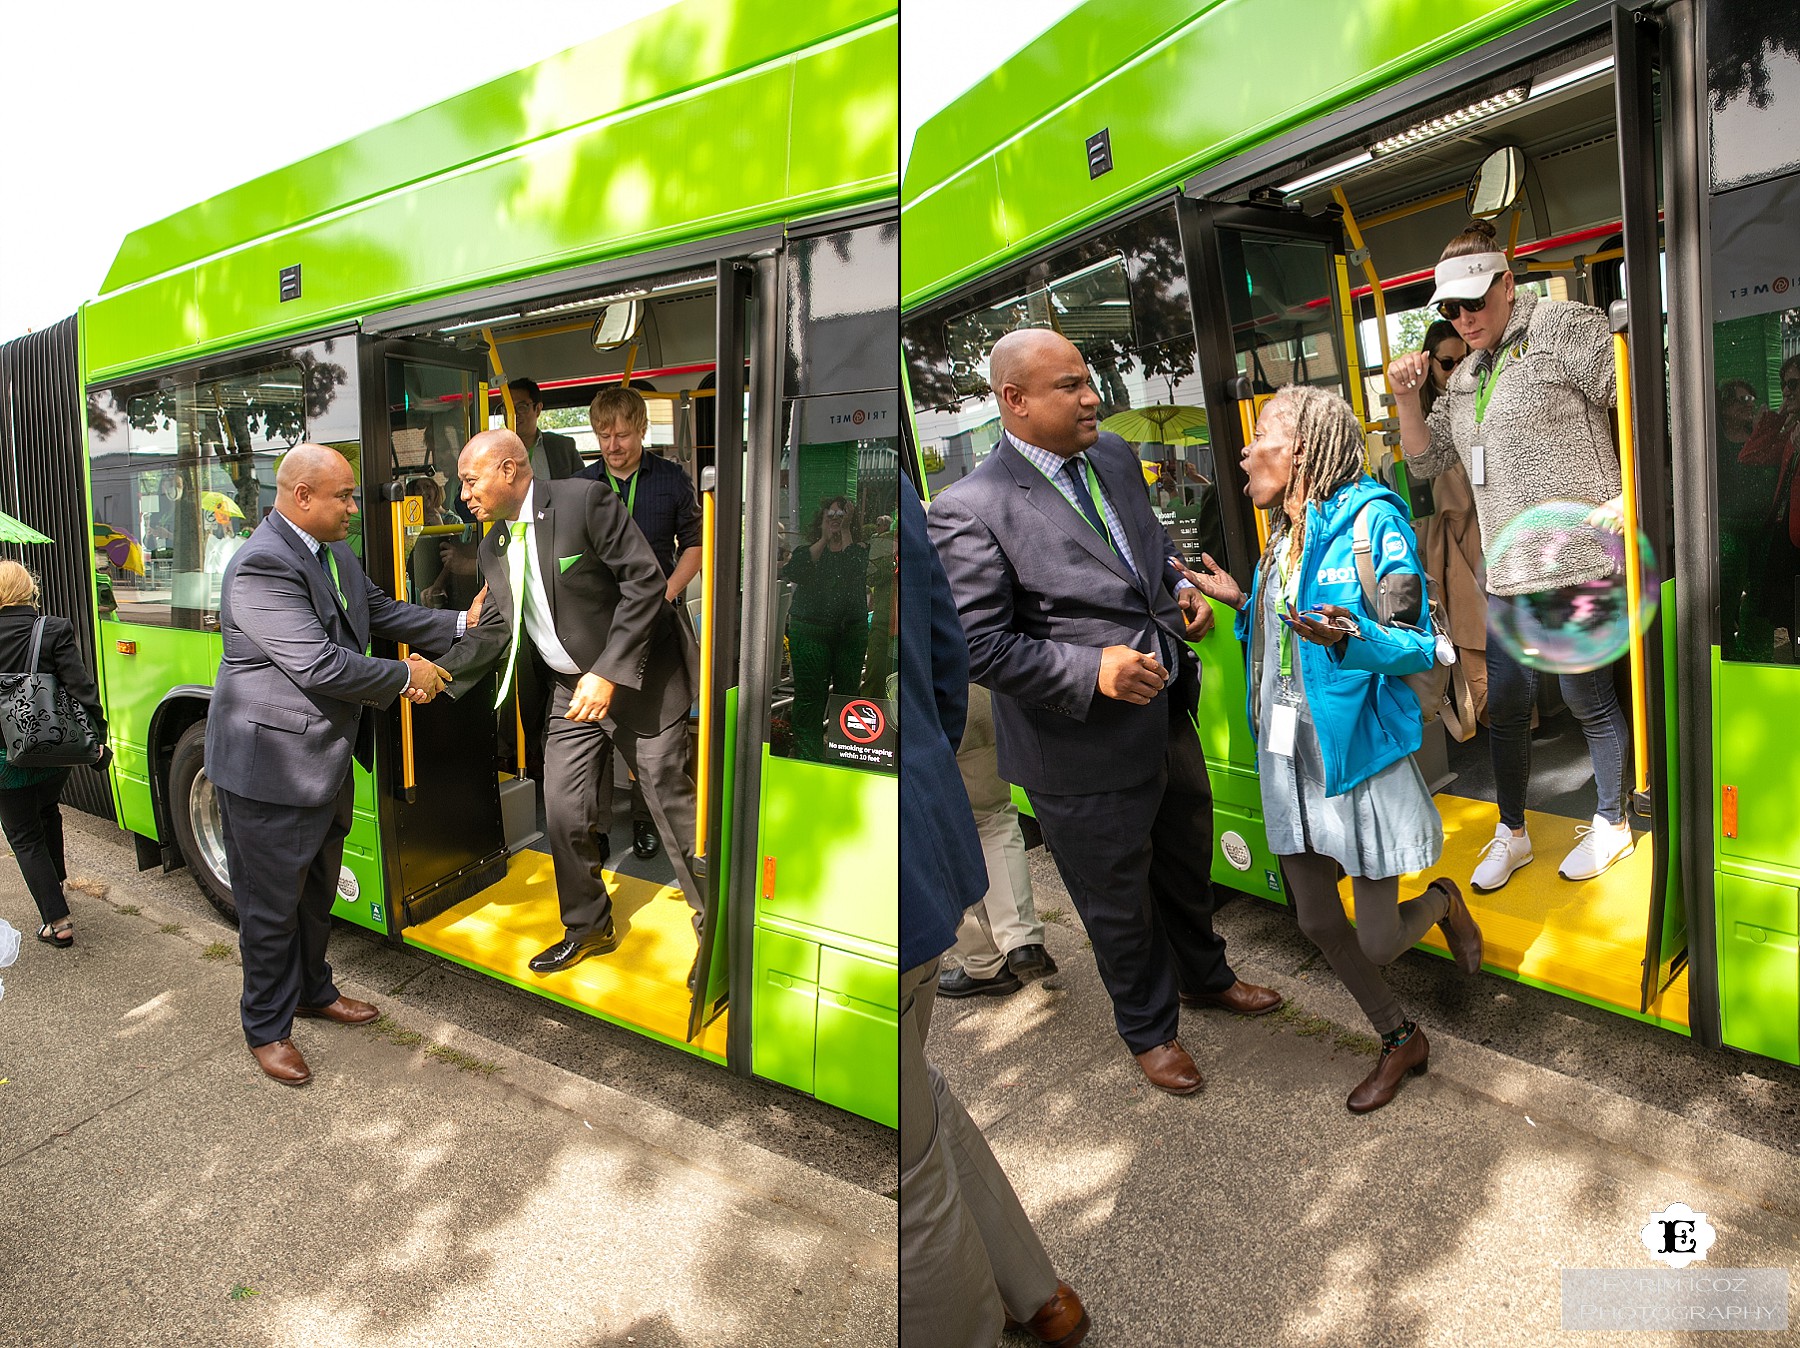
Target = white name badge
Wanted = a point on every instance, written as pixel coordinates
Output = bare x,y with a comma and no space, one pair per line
1478,465
1282,720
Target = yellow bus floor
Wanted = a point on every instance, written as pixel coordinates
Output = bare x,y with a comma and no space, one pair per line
1586,938
642,983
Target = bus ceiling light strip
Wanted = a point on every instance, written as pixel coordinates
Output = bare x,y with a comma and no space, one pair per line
1568,77
1318,176
1451,121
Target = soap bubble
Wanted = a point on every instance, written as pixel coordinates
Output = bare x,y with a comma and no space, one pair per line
1567,559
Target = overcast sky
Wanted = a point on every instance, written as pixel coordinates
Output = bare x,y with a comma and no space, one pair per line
118,115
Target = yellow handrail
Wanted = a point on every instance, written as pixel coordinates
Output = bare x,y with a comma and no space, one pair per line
1248,424
1634,578
402,510
708,589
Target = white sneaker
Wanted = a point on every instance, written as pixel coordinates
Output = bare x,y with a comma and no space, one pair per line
1596,848
1500,858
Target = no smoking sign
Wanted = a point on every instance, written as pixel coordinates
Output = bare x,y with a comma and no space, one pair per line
859,732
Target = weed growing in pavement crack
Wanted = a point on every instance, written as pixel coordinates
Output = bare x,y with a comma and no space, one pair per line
171,929
218,950
1308,1026
1051,915
242,1293
130,909
460,1060
395,1032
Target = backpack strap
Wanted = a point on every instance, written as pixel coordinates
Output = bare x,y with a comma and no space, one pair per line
37,640
1365,560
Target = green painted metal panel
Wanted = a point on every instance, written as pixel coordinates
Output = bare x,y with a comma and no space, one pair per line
765,144
1759,967
785,1009
857,1066
1231,75
1748,700
834,834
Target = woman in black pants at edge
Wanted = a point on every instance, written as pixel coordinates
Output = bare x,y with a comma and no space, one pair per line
30,798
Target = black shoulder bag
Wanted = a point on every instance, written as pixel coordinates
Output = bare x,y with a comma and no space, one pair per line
41,725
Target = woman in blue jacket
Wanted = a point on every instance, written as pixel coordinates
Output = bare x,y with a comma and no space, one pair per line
1336,725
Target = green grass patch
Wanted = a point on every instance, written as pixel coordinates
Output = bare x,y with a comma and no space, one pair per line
218,950
1291,1015
171,929
396,1033
239,1292
130,909
460,1060
1051,915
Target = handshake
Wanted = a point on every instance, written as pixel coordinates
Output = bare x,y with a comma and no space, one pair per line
424,680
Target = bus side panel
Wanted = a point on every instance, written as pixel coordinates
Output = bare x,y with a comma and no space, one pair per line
359,897
1757,859
826,1002
164,658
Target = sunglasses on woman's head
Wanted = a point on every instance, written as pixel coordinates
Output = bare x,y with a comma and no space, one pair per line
1452,309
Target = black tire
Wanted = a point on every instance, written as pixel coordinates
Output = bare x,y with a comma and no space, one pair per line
199,830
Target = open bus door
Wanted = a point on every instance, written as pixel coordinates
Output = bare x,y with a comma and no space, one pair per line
442,833
1638,319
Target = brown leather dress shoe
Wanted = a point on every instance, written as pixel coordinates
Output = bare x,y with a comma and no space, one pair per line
282,1061
1458,925
345,1011
1061,1322
1246,999
1170,1068
1376,1089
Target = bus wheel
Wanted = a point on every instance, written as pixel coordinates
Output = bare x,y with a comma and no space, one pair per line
199,827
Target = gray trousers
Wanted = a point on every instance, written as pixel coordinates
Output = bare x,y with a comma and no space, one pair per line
574,755
1385,929
968,1254
1006,918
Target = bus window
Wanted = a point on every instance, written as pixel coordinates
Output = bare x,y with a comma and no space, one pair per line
837,543
183,472
1122,298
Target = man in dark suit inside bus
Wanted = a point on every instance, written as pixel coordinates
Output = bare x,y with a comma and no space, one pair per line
660,497
569,575
552,454
289,711
1076,625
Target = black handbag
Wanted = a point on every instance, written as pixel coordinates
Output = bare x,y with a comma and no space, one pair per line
40,724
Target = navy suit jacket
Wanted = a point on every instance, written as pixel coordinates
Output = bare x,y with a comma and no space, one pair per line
942,870
288,707
1041,594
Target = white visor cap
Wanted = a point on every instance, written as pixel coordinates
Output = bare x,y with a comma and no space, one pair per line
1467,277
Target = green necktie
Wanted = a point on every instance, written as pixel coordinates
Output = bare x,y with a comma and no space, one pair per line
518,562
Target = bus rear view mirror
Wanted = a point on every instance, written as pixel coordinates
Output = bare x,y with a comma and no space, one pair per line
617,324
1497,183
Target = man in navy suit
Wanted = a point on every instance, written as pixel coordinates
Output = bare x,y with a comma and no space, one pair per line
289,711
1077,625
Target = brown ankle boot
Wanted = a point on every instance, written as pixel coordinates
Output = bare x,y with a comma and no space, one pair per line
1061,1322
1458,925
1376,1089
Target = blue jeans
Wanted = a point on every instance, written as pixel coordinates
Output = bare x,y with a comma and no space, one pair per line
1512,688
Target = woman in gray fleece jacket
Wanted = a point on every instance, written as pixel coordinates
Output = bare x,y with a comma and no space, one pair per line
1528,415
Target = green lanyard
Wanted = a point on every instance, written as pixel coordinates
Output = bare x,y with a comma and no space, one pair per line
631,499
1289,592
1087,477
1489,378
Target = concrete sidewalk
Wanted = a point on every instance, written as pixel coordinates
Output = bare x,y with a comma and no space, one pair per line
429,1186
1261,1212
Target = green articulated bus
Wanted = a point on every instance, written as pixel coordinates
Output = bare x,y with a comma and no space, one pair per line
1218,199
702,206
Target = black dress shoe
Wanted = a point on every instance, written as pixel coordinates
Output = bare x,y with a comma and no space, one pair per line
644,841
1030,961
957,983
573,949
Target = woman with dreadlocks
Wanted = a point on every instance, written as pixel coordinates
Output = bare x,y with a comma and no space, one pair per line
1336,725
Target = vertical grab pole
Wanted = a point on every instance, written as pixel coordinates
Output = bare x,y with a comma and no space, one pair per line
1634,578
1246,406
402,509
709,581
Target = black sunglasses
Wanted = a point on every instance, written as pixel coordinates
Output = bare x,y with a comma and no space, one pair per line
1452,309
1445,363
